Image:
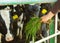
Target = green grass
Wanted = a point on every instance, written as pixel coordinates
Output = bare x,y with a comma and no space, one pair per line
32,27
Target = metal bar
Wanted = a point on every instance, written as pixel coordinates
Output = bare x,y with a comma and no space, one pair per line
56,23
42,40
10,2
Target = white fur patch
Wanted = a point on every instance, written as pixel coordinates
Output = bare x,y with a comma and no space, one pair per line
6,17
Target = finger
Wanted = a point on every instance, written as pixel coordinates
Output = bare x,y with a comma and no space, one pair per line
41,20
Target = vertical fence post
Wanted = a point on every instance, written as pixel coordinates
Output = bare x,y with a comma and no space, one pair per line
56,23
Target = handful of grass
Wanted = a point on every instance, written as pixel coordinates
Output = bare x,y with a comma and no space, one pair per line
32,27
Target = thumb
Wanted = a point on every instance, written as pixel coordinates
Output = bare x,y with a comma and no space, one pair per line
41,19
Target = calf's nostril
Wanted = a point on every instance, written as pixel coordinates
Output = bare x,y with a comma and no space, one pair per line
7,38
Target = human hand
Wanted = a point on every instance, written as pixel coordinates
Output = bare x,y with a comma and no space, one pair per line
47,17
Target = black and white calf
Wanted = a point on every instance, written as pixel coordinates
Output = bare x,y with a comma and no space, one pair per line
20,20
5,24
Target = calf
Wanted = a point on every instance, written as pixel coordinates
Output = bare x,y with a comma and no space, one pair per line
5,21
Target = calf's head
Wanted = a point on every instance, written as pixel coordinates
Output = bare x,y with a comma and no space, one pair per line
6,18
